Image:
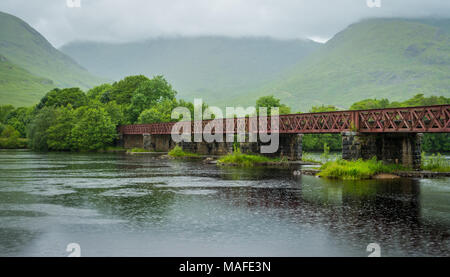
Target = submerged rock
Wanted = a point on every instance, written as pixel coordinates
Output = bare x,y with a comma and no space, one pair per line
385,176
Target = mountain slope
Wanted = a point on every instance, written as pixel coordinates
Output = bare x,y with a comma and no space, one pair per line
26,48
391,58
213,68
18,87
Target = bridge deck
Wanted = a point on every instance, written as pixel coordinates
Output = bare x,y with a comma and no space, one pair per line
424,119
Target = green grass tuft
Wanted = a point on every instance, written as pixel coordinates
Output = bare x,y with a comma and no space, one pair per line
308,157
114,149
244,160
137,150
435,162
178,152
355,170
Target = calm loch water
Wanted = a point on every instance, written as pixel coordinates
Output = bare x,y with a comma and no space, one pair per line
134,205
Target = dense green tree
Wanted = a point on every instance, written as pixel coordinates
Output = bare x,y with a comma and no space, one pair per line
4,111
160,112
271,102
149,94
93,129
19,119
10,138
116,112
122,91
421,100
368,104
417,100
9,132
62,97
96,93
156,90
59,135
436,142
37,129
323,108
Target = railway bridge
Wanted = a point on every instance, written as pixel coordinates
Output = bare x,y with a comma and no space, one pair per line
392,135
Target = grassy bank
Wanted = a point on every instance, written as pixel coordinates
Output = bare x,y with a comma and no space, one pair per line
355,170
137,150
178,152
308,157
435,162
244,160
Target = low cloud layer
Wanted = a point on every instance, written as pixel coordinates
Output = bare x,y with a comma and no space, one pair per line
125,20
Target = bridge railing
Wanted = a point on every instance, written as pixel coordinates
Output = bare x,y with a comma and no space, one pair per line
409,119
424,119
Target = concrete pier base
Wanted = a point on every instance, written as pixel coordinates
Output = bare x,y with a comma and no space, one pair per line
133,141
290,147
396,148
205,148
158,143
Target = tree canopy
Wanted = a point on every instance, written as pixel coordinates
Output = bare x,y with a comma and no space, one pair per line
271,102
71,120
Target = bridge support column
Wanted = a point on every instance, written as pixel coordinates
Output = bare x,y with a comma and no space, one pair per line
397,148
205,148
290,147
147,142
188,146
249,147
120,140
222,148
132,141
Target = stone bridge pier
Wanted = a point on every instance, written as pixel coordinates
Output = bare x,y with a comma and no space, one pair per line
290,147
164,143
396,148
207,148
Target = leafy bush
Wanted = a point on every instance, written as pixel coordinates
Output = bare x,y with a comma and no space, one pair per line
13,143
37,129
59,136
63,97
93,129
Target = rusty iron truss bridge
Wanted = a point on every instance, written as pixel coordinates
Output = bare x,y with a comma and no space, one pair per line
424,119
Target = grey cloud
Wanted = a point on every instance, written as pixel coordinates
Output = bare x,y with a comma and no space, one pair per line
125,20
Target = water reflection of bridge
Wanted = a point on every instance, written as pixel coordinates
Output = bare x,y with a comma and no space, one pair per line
389,212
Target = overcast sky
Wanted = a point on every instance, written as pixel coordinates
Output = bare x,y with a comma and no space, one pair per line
125,20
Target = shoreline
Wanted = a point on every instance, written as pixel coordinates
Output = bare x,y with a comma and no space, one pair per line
422,174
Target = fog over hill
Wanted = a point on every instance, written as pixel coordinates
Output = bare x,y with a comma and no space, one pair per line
214,68
376,58
392,58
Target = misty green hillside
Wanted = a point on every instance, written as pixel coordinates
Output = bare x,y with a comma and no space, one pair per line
214,68
26,48
18,87
391,58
